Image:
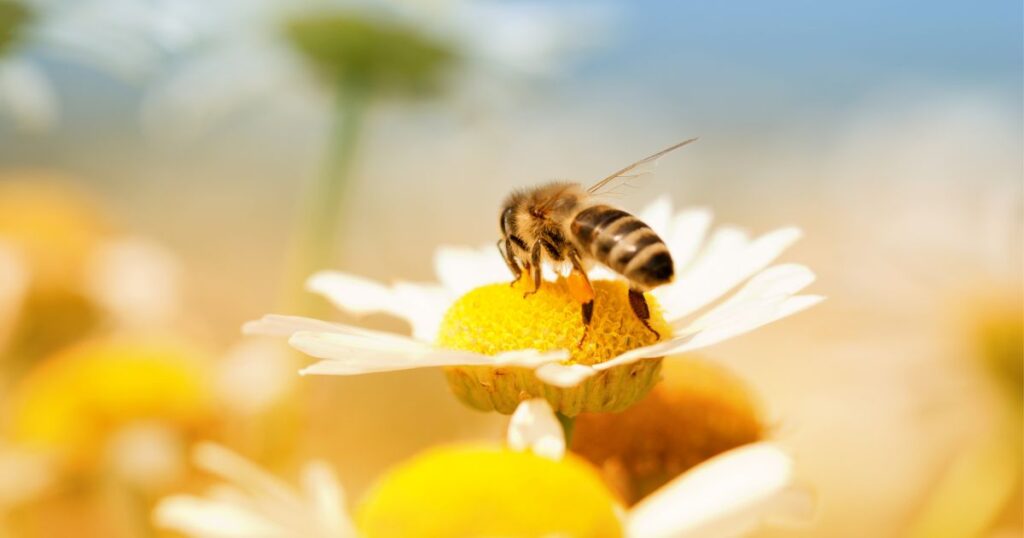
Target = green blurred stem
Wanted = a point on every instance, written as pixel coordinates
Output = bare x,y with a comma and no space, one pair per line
319,233
568,424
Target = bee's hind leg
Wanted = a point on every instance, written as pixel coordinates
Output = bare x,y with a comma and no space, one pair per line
581,290
588,313
638,303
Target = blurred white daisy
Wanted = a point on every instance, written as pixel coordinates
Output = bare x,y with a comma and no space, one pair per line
124,38
26,475
253,375
728,495
256,54
136,280
253,502
72,272
477,329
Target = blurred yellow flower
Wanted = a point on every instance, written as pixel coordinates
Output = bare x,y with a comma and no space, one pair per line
698,411
981,487
480,491
74,273
73,404
51,230
531,488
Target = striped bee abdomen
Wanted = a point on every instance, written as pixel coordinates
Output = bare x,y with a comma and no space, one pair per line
624,243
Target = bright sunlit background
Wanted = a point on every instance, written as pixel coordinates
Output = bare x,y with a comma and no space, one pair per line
163,161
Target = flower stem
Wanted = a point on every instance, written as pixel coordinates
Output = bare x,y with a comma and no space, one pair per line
568,423
318,231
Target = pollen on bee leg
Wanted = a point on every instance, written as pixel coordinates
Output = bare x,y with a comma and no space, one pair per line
579,287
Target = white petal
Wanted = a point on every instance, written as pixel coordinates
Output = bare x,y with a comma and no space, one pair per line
600,272
534,427
352,293
775,281
742,320
462,269
423,306
136,280
194,516
768,287
686,235
27,95
235,469
26,475
764,299
729,259
725,496
354,354
745,318
282,325
253,374
657,215
564,375
327,499
146,454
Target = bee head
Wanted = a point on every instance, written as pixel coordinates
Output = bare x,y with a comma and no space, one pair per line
507,217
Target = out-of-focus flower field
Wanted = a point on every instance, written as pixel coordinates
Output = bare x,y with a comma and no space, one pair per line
248,282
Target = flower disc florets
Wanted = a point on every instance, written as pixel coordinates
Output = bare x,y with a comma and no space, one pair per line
698,411
482,491
496,318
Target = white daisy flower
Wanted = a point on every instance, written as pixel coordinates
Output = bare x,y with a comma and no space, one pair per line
254,502
483,332
533,489
249,61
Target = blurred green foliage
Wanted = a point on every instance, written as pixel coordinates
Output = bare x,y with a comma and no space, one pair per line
13,18
370,55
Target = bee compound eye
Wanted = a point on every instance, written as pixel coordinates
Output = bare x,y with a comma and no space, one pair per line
506,220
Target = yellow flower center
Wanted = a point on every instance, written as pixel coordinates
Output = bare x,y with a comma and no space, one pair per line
73,401
479,491
497,317
698,411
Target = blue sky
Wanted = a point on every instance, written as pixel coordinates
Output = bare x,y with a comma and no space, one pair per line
829,46
722,62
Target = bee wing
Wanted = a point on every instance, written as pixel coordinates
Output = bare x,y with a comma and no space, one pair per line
636,169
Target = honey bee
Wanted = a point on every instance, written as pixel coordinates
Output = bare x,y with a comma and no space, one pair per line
561,222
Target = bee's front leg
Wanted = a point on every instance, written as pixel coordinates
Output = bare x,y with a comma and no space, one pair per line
535,269
505,248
